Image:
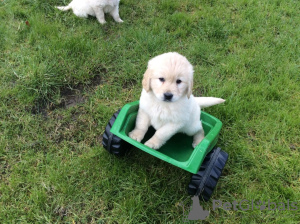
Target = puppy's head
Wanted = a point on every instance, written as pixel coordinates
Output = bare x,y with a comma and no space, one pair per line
169,76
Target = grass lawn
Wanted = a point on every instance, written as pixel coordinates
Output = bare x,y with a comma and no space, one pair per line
63,77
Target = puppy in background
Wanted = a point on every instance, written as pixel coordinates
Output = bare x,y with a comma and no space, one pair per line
167,102
84,8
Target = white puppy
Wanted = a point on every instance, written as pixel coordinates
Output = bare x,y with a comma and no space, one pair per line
84,8
167,102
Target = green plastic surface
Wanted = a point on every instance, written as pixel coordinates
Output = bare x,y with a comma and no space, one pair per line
178,150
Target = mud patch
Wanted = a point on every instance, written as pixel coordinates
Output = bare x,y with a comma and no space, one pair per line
70,96
294,147
4,172
61,212
129,84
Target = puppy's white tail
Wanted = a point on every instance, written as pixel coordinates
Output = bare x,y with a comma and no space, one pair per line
64,8
208,101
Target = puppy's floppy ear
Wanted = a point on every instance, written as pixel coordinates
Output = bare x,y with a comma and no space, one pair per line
190,88
146,80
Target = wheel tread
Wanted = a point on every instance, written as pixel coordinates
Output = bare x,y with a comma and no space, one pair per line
213,175
112,143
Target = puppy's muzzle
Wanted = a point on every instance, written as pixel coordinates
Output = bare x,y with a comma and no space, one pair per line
168,96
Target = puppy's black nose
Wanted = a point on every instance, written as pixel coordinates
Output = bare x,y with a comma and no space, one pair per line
168,96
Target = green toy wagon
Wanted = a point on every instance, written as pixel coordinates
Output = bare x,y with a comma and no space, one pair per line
205,161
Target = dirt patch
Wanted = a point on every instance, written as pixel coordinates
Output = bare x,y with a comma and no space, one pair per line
4,171
71,95
70,98
129,84
294,147
61,212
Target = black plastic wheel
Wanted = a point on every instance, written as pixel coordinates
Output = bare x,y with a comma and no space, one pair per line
112,143
204,182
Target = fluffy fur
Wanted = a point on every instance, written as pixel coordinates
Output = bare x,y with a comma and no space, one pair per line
84,8
167,102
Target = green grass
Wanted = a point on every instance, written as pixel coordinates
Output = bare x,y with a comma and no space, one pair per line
53,168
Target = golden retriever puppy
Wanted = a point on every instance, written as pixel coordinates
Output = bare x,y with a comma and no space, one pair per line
84,8
167,102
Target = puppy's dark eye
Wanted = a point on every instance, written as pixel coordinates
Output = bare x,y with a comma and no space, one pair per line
178,81
161,79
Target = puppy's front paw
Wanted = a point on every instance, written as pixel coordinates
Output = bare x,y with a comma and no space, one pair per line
198,137
137,135
153,144
102,22
196,142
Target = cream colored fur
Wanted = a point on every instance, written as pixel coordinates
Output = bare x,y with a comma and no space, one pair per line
84,8
167,102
